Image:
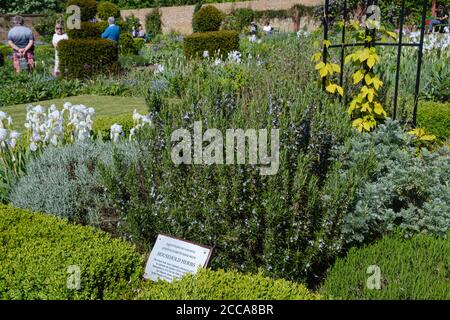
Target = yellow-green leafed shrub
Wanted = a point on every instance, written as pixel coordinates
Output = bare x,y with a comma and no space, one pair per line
88,8
221,285
435,118
107,9
224,41
83,58
102,125
89,30
40,256
416,268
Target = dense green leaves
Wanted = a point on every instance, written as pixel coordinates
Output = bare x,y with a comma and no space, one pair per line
417,268
221,285
40,254
82,58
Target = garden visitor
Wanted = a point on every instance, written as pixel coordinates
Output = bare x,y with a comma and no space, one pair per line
141,32
21,40
442,19
253,28
268,28
57,37
112,32
134,32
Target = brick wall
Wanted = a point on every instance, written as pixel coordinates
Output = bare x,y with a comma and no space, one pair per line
179,19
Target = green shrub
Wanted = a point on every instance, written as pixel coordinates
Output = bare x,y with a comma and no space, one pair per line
139,44
207,19
88,8
65,182
2,60
38,251
45,51
221,285
88,30
85,58
240,19
102,125
435,118
153,23
416,268
197,43
107,9
6,51
126,44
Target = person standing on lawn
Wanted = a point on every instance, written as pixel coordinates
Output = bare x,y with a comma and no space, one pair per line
57,37
112,32
21,40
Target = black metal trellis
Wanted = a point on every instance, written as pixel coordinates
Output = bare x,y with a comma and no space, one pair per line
343,45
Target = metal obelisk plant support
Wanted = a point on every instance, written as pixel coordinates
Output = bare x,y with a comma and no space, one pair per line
400,44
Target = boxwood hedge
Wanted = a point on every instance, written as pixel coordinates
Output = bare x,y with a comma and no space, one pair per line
435,117
221,285
38,252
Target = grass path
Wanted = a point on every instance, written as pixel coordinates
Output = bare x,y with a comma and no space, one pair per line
103,105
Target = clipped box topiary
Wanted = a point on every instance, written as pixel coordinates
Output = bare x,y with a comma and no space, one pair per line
88,8
81,58
126,44
107,9
221,285
46,258
218,43
435,117
208,19
88,30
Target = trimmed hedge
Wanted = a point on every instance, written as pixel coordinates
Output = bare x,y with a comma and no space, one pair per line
6,51
85,58
221,285
139,43
435,117
102,125
126,44
225,41
207,19
44,51
107,9
37,251
416,268
88,30
88,8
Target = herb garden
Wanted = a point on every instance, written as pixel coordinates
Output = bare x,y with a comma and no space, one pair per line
87,176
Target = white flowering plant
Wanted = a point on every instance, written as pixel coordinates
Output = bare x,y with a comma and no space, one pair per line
13,156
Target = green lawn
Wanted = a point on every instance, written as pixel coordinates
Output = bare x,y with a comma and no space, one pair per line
103,105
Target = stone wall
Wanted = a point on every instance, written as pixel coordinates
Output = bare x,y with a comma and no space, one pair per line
5,24
179,19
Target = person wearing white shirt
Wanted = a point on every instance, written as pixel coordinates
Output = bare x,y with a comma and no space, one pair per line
57,37
268,28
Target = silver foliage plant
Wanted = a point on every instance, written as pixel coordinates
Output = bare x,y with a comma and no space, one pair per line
404,190
66,182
